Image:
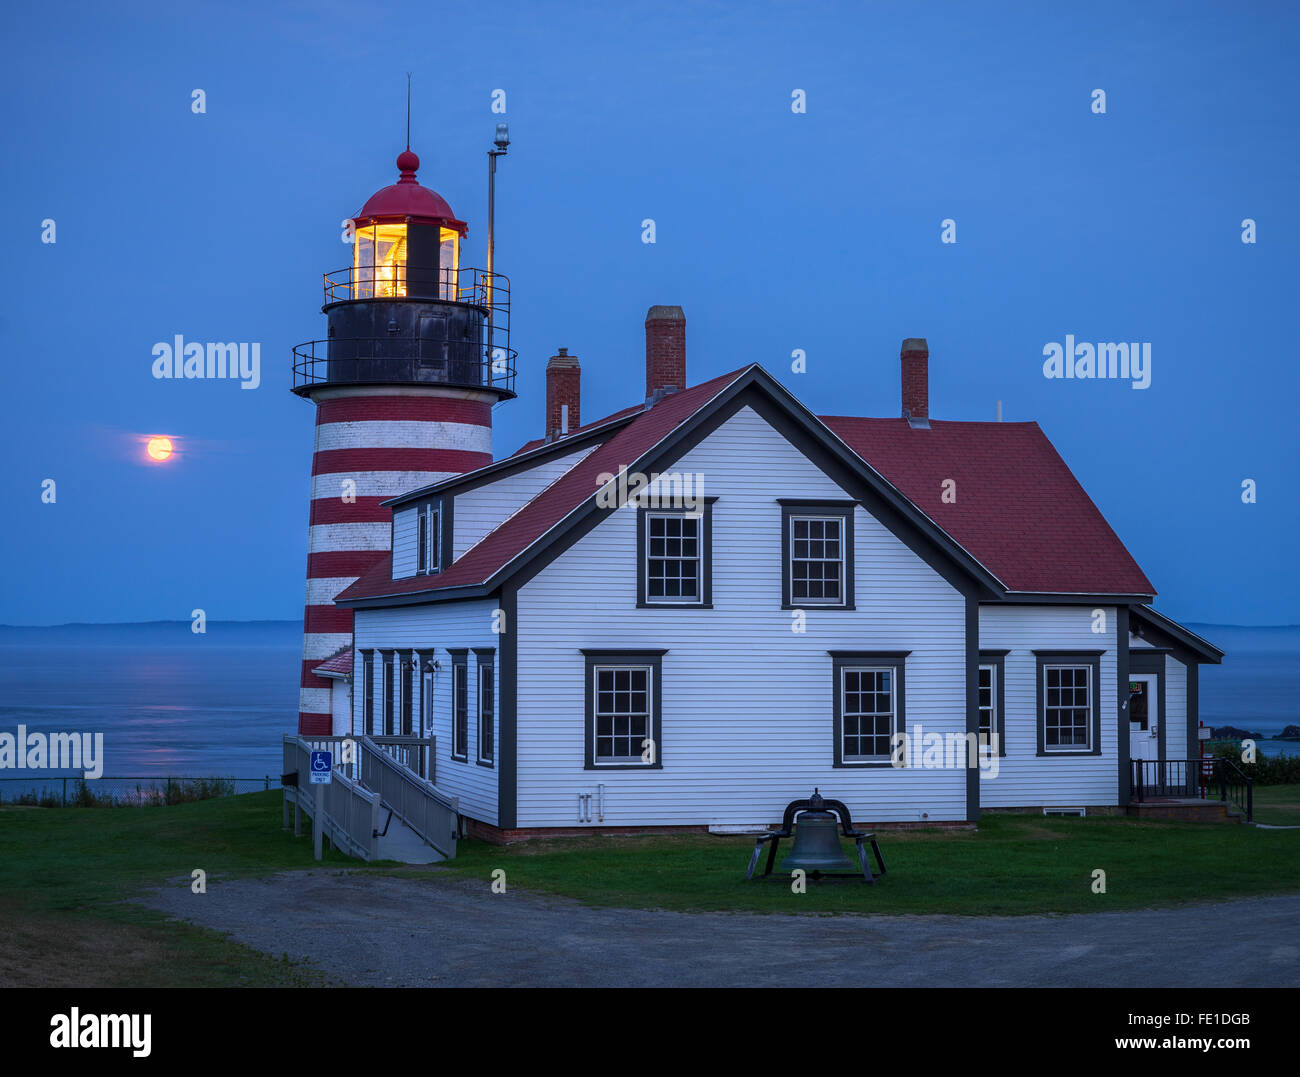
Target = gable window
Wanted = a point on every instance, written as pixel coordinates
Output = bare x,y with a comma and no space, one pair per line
368,691
623,709
428,540
868,706
460,705
817,554
1069,707
486,709
992,704
674,551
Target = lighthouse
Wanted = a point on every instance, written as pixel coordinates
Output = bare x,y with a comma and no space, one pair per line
416,355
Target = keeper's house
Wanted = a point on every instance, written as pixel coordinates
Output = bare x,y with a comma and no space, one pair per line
797,589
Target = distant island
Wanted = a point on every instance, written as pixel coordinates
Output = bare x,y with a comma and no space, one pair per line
1231,732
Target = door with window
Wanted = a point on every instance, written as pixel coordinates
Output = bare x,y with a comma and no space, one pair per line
1144,719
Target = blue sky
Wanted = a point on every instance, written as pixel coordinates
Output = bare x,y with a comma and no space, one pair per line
775,231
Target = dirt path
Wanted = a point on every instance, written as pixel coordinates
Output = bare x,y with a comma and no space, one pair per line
442,931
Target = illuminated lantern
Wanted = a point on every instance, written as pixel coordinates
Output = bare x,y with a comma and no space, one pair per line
407,241
416,356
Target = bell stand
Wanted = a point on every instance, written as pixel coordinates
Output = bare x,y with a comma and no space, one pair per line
861,838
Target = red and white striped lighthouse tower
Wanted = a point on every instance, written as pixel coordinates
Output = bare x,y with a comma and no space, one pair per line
417,354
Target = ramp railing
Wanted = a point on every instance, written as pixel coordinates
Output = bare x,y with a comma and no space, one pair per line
432,814
340,810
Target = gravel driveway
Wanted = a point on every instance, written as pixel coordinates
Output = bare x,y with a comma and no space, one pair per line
436,930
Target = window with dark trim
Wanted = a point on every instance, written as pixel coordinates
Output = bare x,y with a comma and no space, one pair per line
992,698
1069,703
674,557
421,541
389,686
410,668
486,708
624,716
460,705
368,691
868,707
434,530
816,554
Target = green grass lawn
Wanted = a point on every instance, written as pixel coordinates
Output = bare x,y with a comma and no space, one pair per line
1277,805
65,872
1014,864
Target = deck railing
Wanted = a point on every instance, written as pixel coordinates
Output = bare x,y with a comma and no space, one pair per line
428,811
340,809
1209,778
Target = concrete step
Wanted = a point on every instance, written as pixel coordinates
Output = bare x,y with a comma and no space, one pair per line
1188,811
404,845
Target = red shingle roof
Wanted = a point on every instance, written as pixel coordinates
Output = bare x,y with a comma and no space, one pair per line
537,443
551,506
1018,510
339,662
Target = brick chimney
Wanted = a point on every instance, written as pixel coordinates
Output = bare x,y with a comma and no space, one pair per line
665,352
563,394
915,358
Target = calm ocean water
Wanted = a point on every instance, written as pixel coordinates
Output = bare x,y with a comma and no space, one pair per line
170,702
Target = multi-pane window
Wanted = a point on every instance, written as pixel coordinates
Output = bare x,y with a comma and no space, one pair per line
422,542
622,712
485,709
368,675
673,557
411,666
867,711
389,685
459,707
434,540
1067,707
817,560
988,704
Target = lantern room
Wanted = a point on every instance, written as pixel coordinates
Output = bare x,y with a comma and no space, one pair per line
406,242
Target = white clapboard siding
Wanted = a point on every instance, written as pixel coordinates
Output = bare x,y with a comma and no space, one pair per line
480,511
1175,717
747,707
1026,779
405,533
431,630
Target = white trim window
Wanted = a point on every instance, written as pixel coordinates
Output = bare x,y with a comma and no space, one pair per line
868,712
817,560
988,704
1067,708
674,563
623,709
460,707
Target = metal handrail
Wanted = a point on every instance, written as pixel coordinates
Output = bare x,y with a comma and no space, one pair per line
1183,777
400,359
491,291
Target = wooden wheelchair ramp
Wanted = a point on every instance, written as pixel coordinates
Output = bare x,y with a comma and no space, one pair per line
374,807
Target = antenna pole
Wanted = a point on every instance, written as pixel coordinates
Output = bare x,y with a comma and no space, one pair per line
500,144
408,110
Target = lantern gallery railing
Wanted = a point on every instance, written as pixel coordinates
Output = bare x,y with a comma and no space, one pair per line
491,291
425,360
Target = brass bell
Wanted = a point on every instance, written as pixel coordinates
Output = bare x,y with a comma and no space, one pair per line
817,842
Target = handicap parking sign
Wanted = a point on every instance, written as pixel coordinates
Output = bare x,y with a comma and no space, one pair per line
322,764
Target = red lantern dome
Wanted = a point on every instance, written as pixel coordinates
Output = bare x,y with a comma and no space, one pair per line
407,200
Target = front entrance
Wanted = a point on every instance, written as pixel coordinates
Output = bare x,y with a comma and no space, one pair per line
1143,716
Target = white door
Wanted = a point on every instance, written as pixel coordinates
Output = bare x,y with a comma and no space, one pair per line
1143,719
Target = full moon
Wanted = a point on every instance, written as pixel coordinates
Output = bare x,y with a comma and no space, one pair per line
159,448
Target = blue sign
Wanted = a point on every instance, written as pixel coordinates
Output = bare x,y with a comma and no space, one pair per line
322,767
